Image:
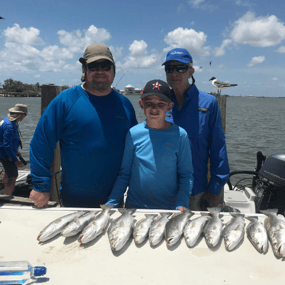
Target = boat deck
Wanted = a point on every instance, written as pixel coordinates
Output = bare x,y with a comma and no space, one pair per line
68,262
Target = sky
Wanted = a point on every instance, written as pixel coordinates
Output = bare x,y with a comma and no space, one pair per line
41,41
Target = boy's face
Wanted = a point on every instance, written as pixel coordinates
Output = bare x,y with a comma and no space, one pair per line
155,107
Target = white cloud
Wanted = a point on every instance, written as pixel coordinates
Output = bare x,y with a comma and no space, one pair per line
281,49
21,55
221,50
243,3
19,35
189,39
274,78
256,60
139,56
201,4
258,32
198,68
77,41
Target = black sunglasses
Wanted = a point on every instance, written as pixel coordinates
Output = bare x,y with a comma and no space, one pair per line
178,68
94,66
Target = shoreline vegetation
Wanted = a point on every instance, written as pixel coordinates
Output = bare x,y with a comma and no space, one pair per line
12,88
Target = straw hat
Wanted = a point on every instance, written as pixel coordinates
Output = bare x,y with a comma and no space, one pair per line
17,111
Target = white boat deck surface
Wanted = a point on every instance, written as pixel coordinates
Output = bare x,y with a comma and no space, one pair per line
70,263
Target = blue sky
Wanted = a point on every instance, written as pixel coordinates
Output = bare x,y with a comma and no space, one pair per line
41,41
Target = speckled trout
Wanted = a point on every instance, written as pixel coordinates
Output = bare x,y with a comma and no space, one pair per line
121,229
55,227
194,229
97,226
157,229
175,226
234,231
78,224
213,228
275,227
257,235
142,227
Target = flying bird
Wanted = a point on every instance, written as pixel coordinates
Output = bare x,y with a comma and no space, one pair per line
210,62
1,18
221,84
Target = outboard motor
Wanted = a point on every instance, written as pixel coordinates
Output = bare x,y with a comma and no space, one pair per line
269,186
268,182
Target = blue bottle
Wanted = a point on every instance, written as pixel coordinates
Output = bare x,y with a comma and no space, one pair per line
19,272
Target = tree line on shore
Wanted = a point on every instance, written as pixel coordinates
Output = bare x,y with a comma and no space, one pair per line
15,87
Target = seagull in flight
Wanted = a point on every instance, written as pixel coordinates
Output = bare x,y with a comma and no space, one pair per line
220,84
1,18
210,62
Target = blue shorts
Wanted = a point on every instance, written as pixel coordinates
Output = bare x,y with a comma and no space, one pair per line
10,167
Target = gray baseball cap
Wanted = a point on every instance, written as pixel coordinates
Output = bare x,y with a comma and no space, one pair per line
95,52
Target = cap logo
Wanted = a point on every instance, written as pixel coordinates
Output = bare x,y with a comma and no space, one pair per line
177,52
156,85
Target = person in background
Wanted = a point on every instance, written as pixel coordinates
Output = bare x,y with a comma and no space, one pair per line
90,121
199,114
9,146
157,158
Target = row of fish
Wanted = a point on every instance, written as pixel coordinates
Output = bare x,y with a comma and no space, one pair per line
158,227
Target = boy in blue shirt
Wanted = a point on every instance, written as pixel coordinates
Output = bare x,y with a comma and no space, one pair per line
157,162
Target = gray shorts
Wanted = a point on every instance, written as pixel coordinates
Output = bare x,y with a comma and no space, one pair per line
10,167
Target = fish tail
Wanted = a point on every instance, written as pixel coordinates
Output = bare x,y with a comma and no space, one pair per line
165,214
188,211
269,211
150,215
104,206
214,210
252,218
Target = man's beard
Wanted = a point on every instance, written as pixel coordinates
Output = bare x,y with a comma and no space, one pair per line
100,86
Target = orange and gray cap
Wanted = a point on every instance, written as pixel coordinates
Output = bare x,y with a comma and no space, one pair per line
95,52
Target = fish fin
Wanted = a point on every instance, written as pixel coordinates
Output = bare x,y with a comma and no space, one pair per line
205,214
104,206
132,211
150,215
76,221
139,221
235,214
176,214
250,218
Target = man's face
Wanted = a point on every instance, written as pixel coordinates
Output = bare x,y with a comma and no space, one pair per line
178,79
155,107
100,80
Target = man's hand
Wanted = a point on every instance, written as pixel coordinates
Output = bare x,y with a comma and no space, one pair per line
40,199
18,163
180,209
213,200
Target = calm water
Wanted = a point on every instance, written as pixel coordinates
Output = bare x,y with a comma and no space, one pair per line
252,124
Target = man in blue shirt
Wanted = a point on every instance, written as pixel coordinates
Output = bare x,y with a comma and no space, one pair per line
199,114
90,121
157,157
9,146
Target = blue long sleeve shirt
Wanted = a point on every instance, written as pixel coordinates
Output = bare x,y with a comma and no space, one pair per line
200,117
157,168
9,139
91,131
